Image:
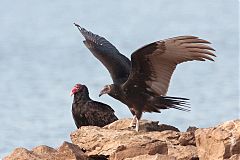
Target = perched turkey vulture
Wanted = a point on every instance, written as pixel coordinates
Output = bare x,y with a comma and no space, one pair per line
143,82
87,112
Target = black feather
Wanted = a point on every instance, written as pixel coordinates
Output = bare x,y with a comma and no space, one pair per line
118,65
87,112
171,102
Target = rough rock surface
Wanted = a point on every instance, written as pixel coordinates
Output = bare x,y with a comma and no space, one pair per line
145,125
221,142
152,157
65,151
117,141
120,142
235,157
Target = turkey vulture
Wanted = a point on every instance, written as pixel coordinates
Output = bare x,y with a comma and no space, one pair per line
87,112
143,82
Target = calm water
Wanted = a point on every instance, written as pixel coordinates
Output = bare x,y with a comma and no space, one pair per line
42,57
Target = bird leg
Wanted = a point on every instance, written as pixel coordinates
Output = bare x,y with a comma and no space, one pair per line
137,124
133,122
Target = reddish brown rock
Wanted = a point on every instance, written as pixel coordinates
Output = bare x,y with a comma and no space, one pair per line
150,148
145,125
44,152
183,152
219,142
152,157
117,142
70,151
235,157
43,149
122,143
22,154
65,151
191,129
187,138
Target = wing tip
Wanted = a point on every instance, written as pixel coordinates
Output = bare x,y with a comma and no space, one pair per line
210,48
77,25
210,58
81,29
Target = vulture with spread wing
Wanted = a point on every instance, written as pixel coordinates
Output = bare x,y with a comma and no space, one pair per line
143,82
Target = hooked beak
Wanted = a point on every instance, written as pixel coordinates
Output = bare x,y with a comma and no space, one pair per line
73,91
101,93
104,91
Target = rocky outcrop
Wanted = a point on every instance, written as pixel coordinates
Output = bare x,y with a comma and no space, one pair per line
120,142
145,125
65,151
117,141
221,142
152,157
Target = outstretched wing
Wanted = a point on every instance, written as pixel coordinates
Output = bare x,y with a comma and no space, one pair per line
153,64
117,64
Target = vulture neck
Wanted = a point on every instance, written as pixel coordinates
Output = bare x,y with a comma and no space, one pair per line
81,97
117,93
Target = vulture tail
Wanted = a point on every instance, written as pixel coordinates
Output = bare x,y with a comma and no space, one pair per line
166,102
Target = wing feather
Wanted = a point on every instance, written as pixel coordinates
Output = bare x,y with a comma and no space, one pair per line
118,65
99,114
154,64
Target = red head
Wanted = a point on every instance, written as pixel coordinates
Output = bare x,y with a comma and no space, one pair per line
75,89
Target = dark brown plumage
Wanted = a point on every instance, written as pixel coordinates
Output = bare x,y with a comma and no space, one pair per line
143,82
87,112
